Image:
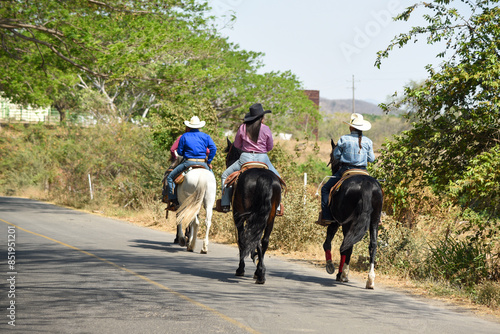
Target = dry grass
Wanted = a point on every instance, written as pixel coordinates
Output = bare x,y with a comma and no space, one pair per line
301,149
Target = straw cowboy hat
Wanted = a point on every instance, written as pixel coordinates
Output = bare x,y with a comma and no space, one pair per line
256,111
194,123
359,123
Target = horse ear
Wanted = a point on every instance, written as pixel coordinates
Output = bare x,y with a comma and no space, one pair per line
333,144
228,142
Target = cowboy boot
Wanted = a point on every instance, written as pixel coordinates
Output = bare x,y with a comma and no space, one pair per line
280,210
173,205
221,208
323,222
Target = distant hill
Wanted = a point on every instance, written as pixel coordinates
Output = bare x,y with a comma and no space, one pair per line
345,106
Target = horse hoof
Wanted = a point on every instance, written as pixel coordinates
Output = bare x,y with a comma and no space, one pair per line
260,281
189,250
330,267
176,240
203,252
182,242
239,273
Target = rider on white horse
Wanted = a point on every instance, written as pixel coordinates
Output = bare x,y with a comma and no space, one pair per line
193,147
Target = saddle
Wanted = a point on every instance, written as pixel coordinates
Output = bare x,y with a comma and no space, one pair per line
180,178
347,174
232,179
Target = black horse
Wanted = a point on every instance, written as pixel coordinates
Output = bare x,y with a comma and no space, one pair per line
356,206
256,197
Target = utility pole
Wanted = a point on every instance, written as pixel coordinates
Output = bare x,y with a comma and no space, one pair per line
353,99
353,103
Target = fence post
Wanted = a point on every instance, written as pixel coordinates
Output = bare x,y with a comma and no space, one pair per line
305,187
90,186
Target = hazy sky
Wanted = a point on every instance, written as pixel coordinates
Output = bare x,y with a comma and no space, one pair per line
326,42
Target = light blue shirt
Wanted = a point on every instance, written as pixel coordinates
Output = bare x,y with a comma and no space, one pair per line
348,151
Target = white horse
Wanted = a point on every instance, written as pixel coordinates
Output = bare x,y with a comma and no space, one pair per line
199,187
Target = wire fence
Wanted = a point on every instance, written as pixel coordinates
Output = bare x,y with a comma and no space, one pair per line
14,113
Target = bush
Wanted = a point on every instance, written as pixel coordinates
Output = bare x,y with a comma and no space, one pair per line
461,262
123,167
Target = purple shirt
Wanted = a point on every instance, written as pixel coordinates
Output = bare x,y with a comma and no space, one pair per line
264,143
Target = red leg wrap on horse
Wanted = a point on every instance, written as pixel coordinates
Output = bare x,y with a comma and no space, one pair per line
328,255
342,261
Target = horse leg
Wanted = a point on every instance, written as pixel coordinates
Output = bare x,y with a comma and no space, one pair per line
208,223
260,272
193,234
180,236
241,268
327,247
372,248
345,259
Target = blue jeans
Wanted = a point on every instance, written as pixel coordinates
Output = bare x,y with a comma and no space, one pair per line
177,170
325,191
236,166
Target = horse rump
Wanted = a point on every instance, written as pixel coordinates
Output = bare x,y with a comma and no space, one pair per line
254,200
367,194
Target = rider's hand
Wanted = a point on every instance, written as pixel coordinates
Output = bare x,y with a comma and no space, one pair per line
210,166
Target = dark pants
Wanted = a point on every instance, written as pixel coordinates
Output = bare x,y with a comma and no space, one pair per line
325,190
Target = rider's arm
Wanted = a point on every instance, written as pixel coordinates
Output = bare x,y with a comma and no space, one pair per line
268,137
213,149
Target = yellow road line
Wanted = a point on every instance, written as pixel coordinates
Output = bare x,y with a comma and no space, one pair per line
161,286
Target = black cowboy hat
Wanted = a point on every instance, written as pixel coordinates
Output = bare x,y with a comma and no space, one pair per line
256,111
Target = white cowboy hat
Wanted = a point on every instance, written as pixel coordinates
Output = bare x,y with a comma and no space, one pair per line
359,123
194,123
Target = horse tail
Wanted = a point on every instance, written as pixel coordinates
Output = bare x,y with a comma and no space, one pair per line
360,217
258,215
192,205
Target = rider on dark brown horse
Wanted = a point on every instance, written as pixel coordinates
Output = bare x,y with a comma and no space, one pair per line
353,151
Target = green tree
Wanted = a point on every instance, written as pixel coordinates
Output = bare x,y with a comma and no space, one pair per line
28,27
456,111
129,59
52,51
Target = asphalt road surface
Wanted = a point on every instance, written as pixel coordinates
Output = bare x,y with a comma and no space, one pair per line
64,271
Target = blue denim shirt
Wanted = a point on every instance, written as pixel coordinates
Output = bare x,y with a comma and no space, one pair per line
348,151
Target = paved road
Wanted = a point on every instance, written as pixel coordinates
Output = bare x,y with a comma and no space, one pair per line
80,273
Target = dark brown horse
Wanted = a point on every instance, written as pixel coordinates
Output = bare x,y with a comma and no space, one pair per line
256,197
356,206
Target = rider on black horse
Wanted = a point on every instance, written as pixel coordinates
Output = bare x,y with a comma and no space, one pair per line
255,139
354,151
193,146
